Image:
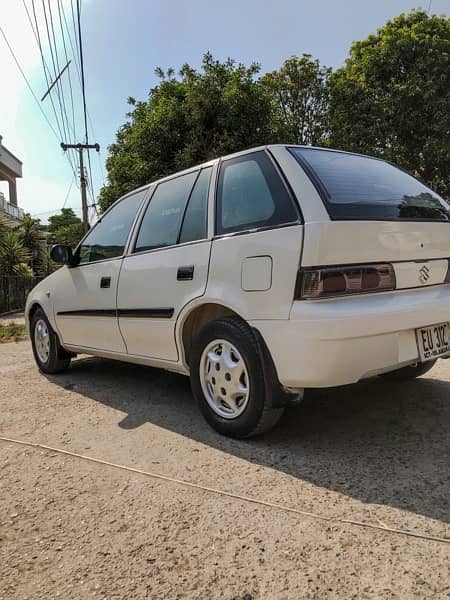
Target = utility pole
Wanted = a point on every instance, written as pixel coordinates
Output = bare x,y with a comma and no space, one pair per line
80,148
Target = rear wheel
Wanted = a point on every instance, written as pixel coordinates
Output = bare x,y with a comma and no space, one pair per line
409,372
48,353
228,380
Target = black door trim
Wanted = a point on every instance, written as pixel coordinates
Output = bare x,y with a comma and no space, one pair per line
146,313
101,312
134,313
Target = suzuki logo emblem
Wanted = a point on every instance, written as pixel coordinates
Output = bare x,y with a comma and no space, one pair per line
424,274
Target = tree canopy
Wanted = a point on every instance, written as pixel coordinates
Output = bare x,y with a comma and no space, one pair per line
65,228
390,99
187,120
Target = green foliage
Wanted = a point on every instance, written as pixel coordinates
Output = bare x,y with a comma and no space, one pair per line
14,257
299,92
188,120
65,228
47,265
392,97
31,234
12,332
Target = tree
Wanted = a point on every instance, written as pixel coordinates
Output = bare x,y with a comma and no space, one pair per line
392,97
65,228
187,120
14,257
299,91
31,234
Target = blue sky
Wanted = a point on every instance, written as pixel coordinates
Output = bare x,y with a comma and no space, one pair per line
124,40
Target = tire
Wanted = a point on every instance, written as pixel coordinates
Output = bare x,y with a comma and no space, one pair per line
50,357
237,367
410,372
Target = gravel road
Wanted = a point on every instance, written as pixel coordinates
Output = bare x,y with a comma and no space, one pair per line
377,453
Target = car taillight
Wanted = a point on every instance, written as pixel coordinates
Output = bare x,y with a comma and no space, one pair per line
342,281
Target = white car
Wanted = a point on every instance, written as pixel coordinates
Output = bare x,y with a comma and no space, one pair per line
259,274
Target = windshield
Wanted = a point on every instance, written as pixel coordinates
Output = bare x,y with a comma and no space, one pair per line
359,187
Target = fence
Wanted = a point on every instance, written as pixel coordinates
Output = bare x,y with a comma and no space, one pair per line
14,292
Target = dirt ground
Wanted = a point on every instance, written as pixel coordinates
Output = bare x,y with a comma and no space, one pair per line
375,452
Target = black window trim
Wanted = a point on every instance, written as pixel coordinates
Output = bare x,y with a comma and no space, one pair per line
287,187
145,188
325,196
188,202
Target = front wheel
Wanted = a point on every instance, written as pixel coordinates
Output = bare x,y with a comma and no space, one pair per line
228,380
409,372
48,354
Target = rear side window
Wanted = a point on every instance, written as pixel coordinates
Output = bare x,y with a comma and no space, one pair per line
251,195
162,220
360,187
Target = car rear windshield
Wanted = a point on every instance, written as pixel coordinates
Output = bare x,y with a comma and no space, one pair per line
359,187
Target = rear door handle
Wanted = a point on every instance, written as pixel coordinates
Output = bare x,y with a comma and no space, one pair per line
105,282
185,273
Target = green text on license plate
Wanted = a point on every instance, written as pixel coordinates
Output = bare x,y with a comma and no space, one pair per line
433,341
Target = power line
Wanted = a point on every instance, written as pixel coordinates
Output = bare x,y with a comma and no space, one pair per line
47,72
68,192
83,91
67,60
83,87
77,63
75,34
59,68
30,88
59,89
55,72
44,64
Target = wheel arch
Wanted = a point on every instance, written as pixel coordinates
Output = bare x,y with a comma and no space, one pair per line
196,318
29,312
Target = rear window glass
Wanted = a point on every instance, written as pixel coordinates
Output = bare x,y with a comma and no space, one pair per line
360,187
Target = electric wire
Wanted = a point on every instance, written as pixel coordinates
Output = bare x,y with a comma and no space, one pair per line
56,68
59,90
68,71
46,68
83,86
234,495
68,193
83,91
59,71
76,60
31,89
55,72
44,63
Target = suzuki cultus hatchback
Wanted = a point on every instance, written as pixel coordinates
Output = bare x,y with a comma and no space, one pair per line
258,274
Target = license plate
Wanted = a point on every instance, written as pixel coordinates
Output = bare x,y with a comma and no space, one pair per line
433,341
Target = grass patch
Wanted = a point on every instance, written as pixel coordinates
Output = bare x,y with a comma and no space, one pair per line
12,332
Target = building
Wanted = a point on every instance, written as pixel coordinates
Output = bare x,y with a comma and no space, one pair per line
10,169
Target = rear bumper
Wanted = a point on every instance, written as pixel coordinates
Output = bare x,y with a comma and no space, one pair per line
340,341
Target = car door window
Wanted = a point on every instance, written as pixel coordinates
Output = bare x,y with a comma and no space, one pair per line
162,220
251,195
194,225
109,236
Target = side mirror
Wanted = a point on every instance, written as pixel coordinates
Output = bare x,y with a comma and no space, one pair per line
62,254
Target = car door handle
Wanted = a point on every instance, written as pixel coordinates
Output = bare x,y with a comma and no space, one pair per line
185,273
105,282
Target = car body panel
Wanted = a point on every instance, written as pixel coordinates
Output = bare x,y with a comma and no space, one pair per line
253,274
